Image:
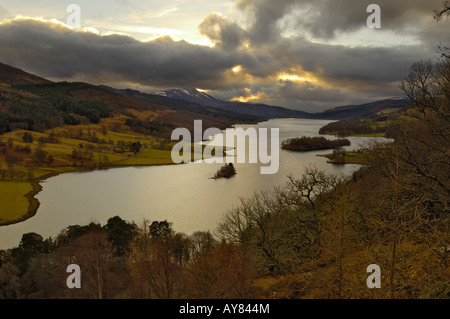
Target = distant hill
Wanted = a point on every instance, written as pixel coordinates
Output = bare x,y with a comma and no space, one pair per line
259,110
184,105
12,75
33,103
364,110
370,119
269,111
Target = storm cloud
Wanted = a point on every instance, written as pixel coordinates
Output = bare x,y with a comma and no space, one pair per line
327,18
271,58
56,51
223,32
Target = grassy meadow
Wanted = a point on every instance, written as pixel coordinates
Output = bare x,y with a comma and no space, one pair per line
66,149
15,204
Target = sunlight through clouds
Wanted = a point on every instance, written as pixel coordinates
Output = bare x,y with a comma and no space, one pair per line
300,54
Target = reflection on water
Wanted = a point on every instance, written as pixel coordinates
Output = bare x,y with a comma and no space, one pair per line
182,194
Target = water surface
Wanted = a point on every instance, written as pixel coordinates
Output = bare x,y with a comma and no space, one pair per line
182,194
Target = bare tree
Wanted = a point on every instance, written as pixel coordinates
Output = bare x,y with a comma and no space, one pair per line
423,137
9,282
283,227
399,221
444,11
156,261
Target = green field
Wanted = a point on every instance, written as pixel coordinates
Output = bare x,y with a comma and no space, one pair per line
107,150
350,157
16,206
14,203
147,156
370,135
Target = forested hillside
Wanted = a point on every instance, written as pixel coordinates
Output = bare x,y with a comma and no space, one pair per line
39,106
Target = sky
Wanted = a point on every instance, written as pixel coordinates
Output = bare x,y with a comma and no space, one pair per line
308,55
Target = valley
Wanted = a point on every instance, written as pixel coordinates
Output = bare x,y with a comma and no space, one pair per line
78,126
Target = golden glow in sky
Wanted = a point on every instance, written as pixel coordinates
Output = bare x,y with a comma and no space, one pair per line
293,77
301,54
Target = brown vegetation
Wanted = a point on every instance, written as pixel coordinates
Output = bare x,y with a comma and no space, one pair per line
312,238
225,171
306,143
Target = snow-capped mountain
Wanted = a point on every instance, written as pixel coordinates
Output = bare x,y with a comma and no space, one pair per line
192,95
269,111
259,110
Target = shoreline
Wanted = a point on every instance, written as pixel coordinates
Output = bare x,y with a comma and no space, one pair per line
33,202
340,162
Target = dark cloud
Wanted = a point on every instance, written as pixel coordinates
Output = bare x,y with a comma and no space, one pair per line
304,92
326,18
223,32
333,74
331,17
58,52
342,63
265,14
364,68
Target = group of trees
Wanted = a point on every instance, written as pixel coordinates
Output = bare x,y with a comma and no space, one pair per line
37,107
360,126
322,229
225,171
312,238
17,156
101,144
28,137
121,259
306,143
15,174
149,127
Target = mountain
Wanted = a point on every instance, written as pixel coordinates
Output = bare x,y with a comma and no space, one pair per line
12,75
263,111
268,111
32,103
192,95
367,119
176,104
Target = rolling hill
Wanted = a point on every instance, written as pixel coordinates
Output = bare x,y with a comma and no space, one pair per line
263,111
365,110
269,111
33,103
12,75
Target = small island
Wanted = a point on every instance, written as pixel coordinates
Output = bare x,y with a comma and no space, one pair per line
304,144
341,156
225,171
